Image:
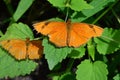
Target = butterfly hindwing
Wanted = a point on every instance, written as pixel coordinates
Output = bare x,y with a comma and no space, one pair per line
35,49
59,34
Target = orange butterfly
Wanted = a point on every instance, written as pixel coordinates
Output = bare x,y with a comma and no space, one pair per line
22,49
68,34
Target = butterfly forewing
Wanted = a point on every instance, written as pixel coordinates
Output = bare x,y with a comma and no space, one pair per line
56,31
80,33
16,48
76,40
97,30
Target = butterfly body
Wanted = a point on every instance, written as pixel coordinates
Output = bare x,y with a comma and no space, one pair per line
67,33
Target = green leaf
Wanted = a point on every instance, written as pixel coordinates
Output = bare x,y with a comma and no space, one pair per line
22,8
91,49
53,54
67,76
78,5
77,52
98,6
55,78
1,34
58,3
18,31
9,67
116,77
109,41
91,71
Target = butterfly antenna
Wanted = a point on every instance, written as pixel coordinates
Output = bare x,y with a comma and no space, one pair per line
67,5
67,14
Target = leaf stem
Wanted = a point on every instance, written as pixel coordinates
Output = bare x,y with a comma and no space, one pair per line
67,5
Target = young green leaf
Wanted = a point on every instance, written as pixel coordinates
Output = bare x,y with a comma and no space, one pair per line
9,67
109,41
22,8
18,31
53,54
77,52
67,76
55,78
1,34
91,71
91,49
79,5
57,3
76,5
98,6
116,77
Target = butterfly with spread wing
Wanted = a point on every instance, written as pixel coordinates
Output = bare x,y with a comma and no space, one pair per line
22,49
68,34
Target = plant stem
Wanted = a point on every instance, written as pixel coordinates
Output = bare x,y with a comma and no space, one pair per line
118,19
70,64
103,13
9,6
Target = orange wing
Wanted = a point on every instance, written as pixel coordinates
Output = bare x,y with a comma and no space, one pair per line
80,33
20,49
16,48
56,31
35,49
68,34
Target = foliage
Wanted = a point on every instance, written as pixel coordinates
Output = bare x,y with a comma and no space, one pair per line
18,31
109,41
73,5
24,5
9,66
91,61
54,55
92,71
